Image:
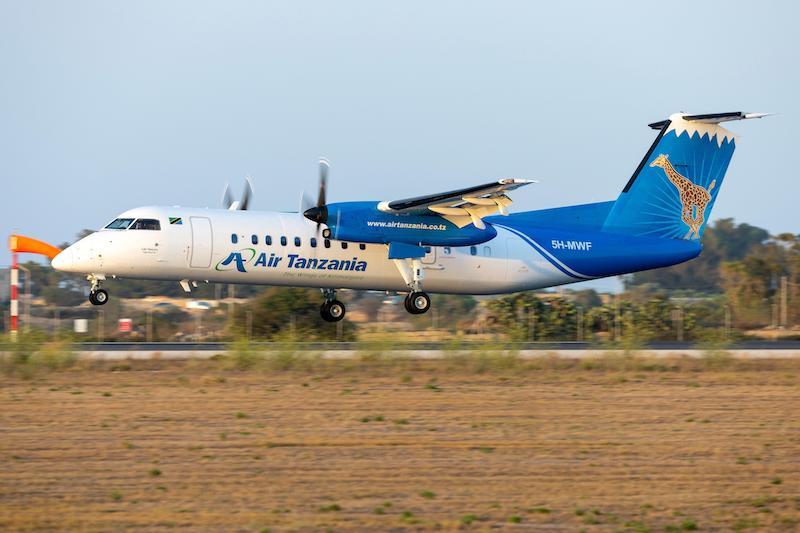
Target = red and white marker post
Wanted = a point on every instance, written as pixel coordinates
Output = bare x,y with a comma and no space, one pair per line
14,307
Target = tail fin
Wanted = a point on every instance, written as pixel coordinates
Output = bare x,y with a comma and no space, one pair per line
672,191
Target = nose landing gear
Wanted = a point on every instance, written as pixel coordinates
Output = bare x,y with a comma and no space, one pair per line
97,296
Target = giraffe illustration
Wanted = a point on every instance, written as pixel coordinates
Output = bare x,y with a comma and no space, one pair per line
694,198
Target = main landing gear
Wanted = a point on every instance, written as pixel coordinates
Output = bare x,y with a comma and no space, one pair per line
417,302
332,310
97,296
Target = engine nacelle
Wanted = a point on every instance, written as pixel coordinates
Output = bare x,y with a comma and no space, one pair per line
363,222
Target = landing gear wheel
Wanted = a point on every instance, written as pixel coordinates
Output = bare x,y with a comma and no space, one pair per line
98,297
417,302
332,311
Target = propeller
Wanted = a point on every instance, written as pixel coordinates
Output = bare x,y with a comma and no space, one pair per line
248,193
234,205
319,213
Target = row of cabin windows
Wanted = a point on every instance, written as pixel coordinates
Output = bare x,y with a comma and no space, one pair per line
473,250
297,241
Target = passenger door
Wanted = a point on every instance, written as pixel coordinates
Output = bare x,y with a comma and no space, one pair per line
202,242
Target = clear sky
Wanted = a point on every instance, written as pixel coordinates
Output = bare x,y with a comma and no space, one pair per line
106,106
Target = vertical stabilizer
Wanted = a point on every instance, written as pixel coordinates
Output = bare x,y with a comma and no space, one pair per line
673,189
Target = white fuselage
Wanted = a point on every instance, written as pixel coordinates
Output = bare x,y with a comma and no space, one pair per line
197,247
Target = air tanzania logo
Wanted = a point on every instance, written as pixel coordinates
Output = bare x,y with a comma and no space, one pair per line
248,257
694,198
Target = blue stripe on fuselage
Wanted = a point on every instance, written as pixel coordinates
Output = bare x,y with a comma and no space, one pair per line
594,254
550,258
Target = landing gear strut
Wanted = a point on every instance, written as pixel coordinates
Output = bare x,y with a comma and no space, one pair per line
332,310
417,302
97,296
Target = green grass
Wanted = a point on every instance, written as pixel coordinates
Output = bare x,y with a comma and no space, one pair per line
34,353
484,449
330,508
467,519
427,494
745,523
155,472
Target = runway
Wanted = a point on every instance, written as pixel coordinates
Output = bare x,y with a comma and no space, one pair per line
432,350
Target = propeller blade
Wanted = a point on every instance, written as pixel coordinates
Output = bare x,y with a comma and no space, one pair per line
324,168
248,193
227,199
305,202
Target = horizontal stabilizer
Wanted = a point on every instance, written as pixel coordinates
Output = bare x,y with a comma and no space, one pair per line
712,118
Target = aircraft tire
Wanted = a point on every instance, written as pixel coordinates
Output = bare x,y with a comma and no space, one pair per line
417,302
98,297
332,311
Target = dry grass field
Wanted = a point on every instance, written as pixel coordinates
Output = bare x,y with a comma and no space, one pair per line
370,445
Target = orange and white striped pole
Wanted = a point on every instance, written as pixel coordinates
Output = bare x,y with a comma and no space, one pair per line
21,244
14,295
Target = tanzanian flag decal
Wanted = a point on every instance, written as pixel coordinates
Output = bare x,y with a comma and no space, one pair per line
175,220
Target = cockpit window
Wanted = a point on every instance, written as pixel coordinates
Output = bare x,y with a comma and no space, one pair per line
146,223
120,223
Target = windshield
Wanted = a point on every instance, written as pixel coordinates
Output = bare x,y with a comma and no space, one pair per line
120,223
146,223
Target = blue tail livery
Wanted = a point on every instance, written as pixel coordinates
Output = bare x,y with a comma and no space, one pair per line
672,192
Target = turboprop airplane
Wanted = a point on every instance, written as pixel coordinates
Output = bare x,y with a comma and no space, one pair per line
462,241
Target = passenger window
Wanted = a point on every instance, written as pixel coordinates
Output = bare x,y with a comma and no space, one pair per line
120,223
327,243
297,241
473,250
487,251
344,246
146,223
313,242
362,246
254,239
234,238
268,240
283,241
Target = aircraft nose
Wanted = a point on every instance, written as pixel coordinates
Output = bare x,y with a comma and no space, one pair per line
64,260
